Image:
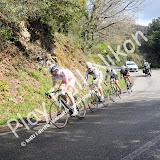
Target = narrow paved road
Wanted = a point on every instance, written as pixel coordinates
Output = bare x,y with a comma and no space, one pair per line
128,129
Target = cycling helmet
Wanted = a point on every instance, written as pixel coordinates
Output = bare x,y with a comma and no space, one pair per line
123,67
89,65
53,67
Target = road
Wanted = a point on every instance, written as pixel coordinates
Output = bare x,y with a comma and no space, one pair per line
128,129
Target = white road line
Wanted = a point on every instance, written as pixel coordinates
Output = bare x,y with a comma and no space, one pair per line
142,149
5,133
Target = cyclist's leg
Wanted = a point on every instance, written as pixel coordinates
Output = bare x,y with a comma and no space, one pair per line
94,86
62,86
70,95
116,82
129,79
99,86
124,79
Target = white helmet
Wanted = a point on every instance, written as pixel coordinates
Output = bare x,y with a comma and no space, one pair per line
53,67
123,67
89,65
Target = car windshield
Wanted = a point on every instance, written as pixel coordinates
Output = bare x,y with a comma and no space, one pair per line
131,64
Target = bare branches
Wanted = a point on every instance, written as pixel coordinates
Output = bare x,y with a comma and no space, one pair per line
104,14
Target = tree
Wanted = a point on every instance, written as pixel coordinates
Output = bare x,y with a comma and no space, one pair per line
151,49
104,14
42,17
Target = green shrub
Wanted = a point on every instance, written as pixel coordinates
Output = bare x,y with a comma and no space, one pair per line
6,34
35,75
23,69
3,85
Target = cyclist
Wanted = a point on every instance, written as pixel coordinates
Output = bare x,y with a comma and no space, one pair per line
125,74
97,77
67,84
113,76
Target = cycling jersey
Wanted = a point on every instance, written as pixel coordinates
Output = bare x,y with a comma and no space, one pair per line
146,65
112,73
96,73
62,76
125,72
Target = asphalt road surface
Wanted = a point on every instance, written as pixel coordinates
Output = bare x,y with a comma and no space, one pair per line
128,129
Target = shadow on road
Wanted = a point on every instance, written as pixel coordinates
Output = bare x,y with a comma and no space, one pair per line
110,133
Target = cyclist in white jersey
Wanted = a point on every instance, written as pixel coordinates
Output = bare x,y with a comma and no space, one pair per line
113,76
67,83
97,77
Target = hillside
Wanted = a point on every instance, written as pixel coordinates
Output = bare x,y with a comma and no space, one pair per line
35,34
24,79
23,82
24,76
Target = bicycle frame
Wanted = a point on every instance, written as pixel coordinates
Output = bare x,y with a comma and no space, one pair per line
60,99
62,112
94,90
112,84
113,87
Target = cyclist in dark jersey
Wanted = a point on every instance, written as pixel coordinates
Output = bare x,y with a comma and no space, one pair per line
125,74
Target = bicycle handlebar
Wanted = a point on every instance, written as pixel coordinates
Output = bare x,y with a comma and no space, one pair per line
58,90
109,82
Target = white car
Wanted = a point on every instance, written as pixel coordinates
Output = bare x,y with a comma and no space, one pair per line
132,66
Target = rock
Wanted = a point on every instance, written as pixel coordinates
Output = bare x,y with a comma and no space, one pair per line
24,31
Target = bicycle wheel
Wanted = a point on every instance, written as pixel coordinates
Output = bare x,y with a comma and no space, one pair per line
92,101
58,114
128,87
106,98
112,94
81,108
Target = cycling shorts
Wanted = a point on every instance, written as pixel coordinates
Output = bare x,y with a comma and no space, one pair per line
114,77
98,79
71,83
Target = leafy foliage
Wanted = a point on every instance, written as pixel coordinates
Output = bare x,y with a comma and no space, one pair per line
151,48
88,21
42,17
3,85
6,35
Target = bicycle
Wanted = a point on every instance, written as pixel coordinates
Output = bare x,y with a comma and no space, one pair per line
128,85
93,98
59,110
113,91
